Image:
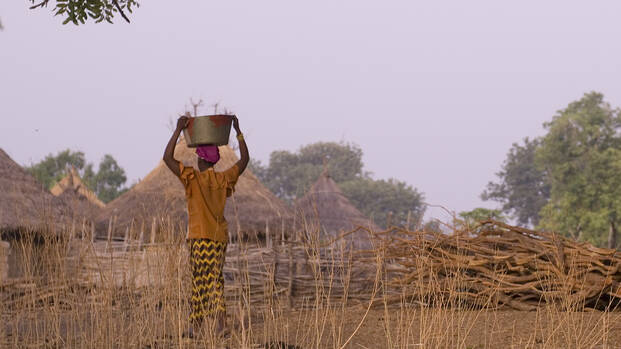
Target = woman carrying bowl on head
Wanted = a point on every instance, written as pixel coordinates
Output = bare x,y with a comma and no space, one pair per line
206,191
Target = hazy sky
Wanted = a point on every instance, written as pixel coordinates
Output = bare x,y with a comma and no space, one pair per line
434,92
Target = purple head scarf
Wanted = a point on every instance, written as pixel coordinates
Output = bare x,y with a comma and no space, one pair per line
209,153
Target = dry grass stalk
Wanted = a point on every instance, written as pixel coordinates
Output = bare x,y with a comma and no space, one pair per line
57,302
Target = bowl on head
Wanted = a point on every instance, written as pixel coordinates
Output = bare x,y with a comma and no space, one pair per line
208,129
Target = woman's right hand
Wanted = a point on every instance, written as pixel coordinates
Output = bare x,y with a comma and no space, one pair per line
182,122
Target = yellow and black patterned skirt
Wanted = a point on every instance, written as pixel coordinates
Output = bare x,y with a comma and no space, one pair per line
207,262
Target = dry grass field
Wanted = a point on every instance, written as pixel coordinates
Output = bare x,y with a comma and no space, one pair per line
76,293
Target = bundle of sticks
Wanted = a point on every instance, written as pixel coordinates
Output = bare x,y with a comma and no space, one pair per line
500,266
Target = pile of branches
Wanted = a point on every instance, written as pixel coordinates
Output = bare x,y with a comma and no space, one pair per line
501,266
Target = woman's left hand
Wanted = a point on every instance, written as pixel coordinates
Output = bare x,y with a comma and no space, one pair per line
236,123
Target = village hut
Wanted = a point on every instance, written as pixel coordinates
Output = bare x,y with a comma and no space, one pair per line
81,203
29,217
25,205
325,211
157,203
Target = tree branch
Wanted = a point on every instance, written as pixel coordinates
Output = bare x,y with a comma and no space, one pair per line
118,7
41,4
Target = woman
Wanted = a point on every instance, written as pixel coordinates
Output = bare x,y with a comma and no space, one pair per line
206,191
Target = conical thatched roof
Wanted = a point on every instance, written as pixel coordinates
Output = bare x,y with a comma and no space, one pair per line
80,201
161,195
24,203
325,209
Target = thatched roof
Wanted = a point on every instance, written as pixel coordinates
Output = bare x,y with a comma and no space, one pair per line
325,209
72,181
81,202
161,195
24,203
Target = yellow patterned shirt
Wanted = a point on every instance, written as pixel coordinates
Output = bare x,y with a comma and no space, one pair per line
206,194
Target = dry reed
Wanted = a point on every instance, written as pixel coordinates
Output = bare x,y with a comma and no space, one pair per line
303,292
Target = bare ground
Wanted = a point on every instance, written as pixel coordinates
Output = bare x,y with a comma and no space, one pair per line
380,328
432,328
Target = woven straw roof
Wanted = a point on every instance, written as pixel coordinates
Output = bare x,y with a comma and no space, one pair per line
324,208
80,202
24,203
73,182
161,195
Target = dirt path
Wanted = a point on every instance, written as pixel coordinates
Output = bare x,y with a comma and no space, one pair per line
391,328
432,328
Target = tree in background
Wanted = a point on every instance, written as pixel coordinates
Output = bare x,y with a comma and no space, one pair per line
79,11
386,202
471,218
54,167
523,187
258,169
107,183
433,226
569,180
581,154
290,174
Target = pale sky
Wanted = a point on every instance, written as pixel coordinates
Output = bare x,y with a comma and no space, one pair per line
434,92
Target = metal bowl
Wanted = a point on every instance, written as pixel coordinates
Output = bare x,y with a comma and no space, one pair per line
208,129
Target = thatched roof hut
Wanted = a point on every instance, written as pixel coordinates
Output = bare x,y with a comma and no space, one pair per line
24,204
81,202
326,210
160,198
